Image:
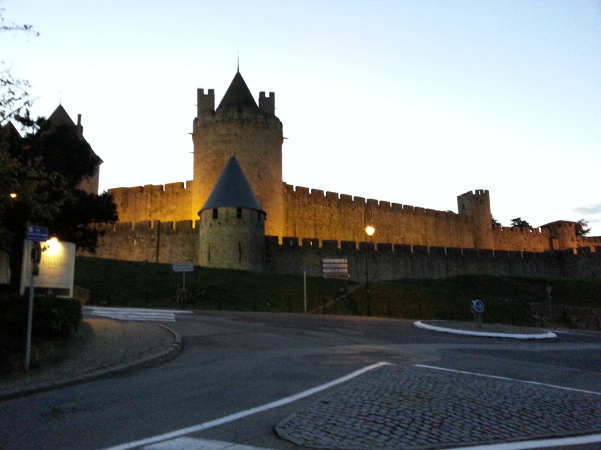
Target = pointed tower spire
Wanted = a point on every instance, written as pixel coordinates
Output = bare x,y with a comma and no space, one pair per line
237,95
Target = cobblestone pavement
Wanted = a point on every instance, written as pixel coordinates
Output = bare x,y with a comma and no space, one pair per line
423,408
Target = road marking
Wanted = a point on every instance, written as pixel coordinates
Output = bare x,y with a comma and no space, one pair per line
199,444
543,443
425,326
508,379
134,314
248,412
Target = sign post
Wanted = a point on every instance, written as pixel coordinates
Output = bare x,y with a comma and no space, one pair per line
182,267
477,309
36,235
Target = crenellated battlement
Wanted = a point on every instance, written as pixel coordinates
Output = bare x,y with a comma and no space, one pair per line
180,226
241,116
475,193
522,230
381,247
310,195
205,103
153,188
267,103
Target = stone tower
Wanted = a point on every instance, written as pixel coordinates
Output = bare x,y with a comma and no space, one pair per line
477,205
253,133
232,224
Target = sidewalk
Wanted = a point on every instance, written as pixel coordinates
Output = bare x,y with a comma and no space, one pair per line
100,347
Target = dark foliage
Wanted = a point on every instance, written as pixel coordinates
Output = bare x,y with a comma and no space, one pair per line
518,222
53,318
40,175
582,228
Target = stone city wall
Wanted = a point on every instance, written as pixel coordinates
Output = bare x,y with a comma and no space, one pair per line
388,261
522,239
169,202
153,241
169,242
311,213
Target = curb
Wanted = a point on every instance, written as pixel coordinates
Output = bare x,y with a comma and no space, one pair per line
546,335
149,361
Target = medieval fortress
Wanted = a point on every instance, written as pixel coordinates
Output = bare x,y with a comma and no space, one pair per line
237,212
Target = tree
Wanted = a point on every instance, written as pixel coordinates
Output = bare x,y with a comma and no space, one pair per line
495,222
40,175
582,228
518,222
14,95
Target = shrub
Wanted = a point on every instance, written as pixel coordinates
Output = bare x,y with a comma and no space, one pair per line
53,318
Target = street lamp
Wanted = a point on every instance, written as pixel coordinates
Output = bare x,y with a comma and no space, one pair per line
369,230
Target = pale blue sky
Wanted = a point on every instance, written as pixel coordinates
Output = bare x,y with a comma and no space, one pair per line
413,102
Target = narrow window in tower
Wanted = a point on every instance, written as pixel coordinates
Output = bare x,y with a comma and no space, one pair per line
258,216
239,251
239,213
209,253
215,213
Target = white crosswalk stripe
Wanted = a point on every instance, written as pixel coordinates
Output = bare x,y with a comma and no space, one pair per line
189,443
133,314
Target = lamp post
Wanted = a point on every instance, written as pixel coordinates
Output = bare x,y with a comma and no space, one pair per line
370,231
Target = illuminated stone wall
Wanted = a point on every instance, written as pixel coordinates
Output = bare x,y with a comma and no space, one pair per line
176,242
171,202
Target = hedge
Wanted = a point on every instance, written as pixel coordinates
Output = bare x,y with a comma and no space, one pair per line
53,318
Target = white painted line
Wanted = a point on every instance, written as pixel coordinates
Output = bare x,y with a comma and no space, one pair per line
189,443
543,443
248,412
141,310
507,379
546,335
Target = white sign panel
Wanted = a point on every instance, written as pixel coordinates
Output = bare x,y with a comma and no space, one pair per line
182,267
335,268
57,268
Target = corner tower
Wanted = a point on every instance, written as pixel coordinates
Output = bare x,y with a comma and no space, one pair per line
477,205
232,224
253,133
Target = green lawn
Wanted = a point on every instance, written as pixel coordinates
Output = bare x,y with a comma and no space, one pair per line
507,299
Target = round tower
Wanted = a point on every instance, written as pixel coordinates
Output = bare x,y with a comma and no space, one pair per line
232,224
477,205
253,133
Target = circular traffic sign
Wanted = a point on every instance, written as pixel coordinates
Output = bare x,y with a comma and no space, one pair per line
477,306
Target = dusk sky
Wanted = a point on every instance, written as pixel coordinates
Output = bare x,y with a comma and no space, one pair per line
413,102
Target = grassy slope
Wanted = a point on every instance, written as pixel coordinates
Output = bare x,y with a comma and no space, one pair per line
507,299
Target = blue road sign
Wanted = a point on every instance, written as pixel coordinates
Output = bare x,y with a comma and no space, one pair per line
37,234
477,306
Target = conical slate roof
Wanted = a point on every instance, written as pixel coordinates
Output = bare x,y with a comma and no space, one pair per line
60,117
232,190
237,94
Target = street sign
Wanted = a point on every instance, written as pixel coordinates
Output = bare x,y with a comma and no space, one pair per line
477,306
37,234
182,267
335,268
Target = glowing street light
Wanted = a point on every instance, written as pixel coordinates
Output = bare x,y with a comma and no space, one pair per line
369,230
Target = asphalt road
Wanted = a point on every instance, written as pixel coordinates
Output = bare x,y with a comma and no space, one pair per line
233,362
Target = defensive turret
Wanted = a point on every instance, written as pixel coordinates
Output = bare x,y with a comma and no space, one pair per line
232,224
477,205
254,133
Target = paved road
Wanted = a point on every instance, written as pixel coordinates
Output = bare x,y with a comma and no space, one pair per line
233,362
